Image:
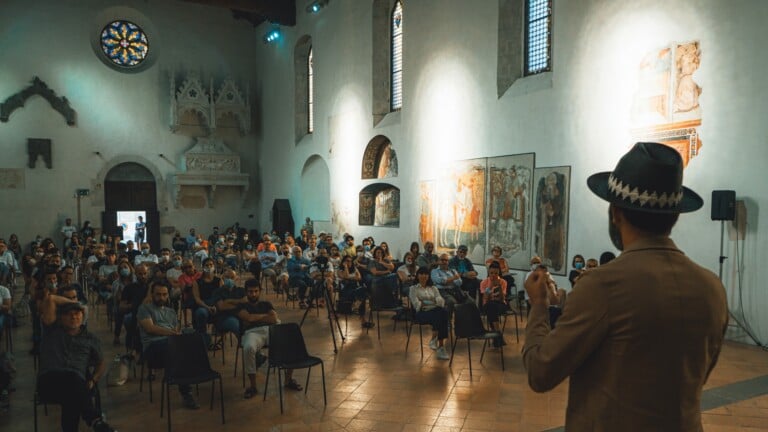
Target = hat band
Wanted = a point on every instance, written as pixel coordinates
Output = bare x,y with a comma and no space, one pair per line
650,199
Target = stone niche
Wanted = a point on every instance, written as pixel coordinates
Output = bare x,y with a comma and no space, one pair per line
209,164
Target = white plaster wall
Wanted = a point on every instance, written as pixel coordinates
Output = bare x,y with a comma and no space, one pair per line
578,115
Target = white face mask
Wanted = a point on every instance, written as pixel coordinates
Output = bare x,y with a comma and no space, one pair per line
534,266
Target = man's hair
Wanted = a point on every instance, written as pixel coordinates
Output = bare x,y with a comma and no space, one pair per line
163,282
607,257
252,283
651,223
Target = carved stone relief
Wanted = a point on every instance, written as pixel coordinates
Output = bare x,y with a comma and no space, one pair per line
38,87
194,96
39,147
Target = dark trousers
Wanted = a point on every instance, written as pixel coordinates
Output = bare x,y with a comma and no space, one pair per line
69,390
437,317
471,286
494,309
155,356
351,291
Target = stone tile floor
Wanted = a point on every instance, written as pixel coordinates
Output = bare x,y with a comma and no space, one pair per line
376,386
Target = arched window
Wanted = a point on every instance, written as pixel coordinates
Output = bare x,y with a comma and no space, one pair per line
310,96
396,100
538,36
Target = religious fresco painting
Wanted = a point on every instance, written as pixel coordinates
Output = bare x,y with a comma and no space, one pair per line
387,208
550,217
665,107
427,213
509,208
461,209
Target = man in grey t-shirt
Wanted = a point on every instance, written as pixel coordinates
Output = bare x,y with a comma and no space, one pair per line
157,321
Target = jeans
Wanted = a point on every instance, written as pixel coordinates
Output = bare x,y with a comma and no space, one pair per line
227,324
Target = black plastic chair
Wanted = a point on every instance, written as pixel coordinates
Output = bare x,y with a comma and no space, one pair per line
37,400
506,314
186,364
382,299
287,350
409,330
468,324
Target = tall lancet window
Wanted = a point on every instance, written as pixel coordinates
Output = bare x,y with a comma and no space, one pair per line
397,57
538,36
310,96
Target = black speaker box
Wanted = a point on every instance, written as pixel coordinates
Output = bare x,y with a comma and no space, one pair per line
723,205
282,220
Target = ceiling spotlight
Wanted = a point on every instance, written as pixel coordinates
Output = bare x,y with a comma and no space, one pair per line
272,35
316,5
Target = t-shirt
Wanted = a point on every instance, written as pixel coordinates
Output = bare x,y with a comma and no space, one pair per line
5,294
60,351
260,307
162,316
206,288
67,230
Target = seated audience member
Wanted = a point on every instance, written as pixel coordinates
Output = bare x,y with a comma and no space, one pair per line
146,257
67,353
281,267
578,268
164,263
351,288
428,260
448,282
66,278
463,265
407,272
15,246
387,254
268,259
191,240
7,263
106,275
256,316
303,240
494,294
361,261
430,309
251,260
125,278
496,257
414,250
231,254
334,256
349,247
131,250
50,302
5,308
380,267
132,297
298,274
266,244
178,244
157,321
187,280
591,263
202,294
227,299
310,252
607,257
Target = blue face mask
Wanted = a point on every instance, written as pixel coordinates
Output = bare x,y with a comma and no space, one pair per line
229,283
125,272
579,265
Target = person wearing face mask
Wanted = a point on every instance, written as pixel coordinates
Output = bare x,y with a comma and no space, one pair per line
125,278
407,272
146,257
133,295
202,294
638,337
578,264
164,263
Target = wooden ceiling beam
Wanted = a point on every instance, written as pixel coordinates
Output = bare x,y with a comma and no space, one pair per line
281,12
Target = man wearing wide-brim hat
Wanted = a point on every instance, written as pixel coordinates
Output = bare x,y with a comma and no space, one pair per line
638,336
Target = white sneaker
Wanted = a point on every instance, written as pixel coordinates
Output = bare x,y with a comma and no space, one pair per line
442,354
433,344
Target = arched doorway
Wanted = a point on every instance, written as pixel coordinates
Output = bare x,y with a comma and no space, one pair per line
129,191
315,190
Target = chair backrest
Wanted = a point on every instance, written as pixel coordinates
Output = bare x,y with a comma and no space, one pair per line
467,321
382,293
286,344
187,356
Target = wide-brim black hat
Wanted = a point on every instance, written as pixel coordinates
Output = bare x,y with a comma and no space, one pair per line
648,178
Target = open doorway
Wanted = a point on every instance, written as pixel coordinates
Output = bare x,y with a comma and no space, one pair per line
129,192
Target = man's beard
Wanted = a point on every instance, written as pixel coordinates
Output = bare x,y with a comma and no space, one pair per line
613,232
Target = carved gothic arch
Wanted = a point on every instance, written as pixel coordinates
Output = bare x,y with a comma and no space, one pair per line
38,87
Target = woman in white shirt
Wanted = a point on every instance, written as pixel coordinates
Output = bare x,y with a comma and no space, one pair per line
430,308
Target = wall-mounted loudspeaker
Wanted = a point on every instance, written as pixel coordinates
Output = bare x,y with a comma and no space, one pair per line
723,205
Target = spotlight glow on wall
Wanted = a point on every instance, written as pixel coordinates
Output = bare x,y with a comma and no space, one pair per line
272,35
316,5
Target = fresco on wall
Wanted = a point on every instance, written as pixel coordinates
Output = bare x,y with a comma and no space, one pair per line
387,211
387,162
550,217
427,214
379,159
461,203
665,107
509,209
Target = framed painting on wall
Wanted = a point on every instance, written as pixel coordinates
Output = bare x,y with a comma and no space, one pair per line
461,204
509,208
427,212
550,217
